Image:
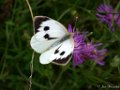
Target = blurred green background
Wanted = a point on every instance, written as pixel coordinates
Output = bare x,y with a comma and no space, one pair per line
16,31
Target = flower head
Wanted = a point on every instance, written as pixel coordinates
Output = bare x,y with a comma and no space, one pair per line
108,15
91,51
83,50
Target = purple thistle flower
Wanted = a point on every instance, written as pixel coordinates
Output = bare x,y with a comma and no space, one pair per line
108,15
83,50
79,40
91,52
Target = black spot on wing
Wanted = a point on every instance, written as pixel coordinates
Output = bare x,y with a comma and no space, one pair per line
62,53
46,28
38,21
62,61
47,36
56,51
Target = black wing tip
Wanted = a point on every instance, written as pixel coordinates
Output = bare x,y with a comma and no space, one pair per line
41,17
63,61
38,20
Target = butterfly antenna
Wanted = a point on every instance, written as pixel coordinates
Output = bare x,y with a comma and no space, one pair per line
76,19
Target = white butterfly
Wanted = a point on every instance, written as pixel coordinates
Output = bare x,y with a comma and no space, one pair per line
52,40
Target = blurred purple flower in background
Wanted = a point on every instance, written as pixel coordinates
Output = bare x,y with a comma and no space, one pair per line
108,15
84,50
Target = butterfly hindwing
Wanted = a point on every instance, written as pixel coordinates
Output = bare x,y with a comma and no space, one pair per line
47,32
60,54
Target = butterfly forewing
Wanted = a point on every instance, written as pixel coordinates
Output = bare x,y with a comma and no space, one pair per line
47,32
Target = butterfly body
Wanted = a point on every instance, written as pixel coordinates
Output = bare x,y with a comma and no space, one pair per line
52,41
